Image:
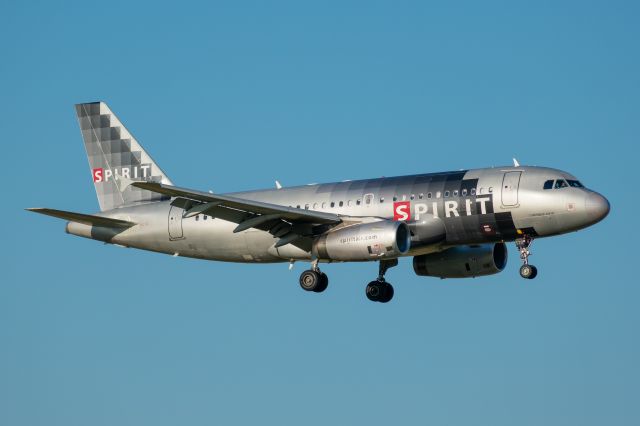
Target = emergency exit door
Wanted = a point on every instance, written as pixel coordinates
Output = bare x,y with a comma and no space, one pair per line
175,223
510,184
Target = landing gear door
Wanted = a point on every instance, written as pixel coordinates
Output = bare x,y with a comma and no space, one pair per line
175,223
510,184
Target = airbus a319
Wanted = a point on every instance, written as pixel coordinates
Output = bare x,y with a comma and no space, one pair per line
454,224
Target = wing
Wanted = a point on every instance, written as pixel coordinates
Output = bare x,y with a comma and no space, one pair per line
87,219
290,225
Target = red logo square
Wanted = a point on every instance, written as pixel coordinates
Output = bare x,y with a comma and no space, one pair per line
402,210
98,175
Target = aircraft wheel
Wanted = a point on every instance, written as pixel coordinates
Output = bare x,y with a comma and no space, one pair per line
324,283
310,280
387,292
379,291
373,291
528,272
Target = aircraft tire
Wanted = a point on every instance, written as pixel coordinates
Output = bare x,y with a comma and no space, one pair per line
379,291
528,272
310,280
387,292
324,283
374,291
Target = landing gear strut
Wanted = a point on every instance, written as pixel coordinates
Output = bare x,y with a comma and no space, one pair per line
527,271
380,290
313,279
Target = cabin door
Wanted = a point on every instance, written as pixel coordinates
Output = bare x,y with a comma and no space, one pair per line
510,184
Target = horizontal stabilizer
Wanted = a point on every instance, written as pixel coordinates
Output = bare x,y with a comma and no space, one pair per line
87,219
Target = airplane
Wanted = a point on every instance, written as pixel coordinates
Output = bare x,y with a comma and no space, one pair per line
454,224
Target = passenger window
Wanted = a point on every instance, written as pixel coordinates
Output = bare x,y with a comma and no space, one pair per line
473,191
412,197
358,202
324,205
464,192
455,193
428,195
561,183
480,190
298,206
315,206
404,197
438,194
368,198
197,217
421,196
490,189
382,199
332,204
348,203
548,184
306,206
395,198
204,217
446,194
341,204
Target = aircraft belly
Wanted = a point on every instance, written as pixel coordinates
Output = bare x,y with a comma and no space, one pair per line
259,244
214,239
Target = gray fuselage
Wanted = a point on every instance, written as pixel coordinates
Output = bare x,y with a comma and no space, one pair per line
474,207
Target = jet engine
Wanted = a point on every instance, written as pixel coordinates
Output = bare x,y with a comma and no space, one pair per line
462,261
366,241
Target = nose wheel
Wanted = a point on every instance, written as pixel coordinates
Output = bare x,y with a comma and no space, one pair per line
527,271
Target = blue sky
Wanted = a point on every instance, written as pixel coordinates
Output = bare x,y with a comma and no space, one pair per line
230,96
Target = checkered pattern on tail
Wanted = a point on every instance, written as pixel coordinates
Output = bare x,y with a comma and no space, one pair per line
116,158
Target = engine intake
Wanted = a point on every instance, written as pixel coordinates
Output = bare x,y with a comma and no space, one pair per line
366,241
462,261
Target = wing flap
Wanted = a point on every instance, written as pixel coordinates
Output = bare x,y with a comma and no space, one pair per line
86,219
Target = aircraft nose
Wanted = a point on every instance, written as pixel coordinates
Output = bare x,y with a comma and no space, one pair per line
597,207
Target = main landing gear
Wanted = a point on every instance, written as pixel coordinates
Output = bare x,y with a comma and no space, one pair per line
314,280
377,291
527,271
380,290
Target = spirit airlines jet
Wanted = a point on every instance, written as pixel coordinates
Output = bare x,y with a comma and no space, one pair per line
454,224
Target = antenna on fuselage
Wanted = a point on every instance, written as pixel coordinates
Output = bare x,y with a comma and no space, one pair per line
515,163
278,184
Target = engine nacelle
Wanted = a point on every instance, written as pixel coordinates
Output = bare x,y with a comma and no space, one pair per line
366,241
463,261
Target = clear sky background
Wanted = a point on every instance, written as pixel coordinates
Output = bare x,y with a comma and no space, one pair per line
231,96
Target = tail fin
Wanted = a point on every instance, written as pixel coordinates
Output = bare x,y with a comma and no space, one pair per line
116,157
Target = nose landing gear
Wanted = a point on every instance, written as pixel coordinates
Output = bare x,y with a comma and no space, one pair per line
380,290
527,271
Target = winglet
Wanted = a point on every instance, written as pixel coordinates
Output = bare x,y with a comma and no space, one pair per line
515,163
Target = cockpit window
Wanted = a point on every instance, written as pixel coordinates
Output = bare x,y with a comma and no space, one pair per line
561,183
548,184
575,183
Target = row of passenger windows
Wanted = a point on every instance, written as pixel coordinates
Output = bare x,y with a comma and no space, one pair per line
369,197
561,183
